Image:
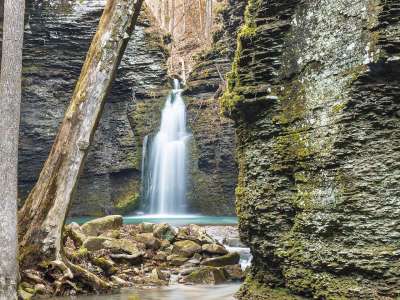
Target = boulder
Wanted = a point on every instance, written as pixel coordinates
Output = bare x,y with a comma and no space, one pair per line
214,249
220,261
177,260
115,234
165,232
101,225
157,274
122,246
146,227
234,272
74,231
195,233
149,240
186,248
206,275
95,243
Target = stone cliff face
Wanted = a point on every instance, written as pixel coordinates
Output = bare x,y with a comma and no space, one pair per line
56,43
57,38
314,92
214,169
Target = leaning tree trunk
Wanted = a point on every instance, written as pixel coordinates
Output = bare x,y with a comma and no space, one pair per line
10,99
42,217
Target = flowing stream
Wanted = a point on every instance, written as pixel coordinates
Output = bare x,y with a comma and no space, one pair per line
165,166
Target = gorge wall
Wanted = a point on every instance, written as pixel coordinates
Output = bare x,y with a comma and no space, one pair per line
315,94
56,41
57,37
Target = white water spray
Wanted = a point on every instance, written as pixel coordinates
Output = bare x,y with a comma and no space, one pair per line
167,161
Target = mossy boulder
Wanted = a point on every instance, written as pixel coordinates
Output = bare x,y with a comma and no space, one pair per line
177,260
206,275
186,248
228,259
214,249
164,231
100,225
149,240
95,243
234,272
122,246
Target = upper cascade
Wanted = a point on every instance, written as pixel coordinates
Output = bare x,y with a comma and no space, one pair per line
167,175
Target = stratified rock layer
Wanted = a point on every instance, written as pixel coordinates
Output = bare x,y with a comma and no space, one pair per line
214,169
56,41
314,91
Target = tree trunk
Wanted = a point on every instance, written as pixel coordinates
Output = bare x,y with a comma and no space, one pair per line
10,95
42,217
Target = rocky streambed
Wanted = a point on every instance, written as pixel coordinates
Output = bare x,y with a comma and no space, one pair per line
141,256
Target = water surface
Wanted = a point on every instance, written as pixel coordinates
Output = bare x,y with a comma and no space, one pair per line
176,220
174,292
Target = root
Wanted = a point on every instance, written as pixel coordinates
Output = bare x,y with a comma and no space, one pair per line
89,278
72,271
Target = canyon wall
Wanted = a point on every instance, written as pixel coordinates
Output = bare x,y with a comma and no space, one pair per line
57,37
315,94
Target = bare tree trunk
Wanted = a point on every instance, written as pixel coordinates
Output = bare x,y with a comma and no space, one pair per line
42,217
10,95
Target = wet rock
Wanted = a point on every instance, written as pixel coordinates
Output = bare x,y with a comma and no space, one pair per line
234,272
214,249
228,259
122,246
146,227
206,275
95,243
164,232
157,274
177,260
101,225
186,248
149,240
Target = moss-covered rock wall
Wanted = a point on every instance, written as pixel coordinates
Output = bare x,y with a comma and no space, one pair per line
314,92
213,164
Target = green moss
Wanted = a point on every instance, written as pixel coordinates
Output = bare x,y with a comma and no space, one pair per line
249,30
320,285
339,107
254,290
127,203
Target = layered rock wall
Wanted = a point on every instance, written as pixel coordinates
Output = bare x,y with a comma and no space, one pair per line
214,169
57,38
314,91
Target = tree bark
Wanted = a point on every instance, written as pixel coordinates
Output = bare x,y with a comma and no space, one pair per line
42,217
10,95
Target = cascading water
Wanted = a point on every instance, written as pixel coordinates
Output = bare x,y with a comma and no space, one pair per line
166,162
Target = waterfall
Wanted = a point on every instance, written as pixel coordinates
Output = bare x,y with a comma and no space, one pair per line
166,187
